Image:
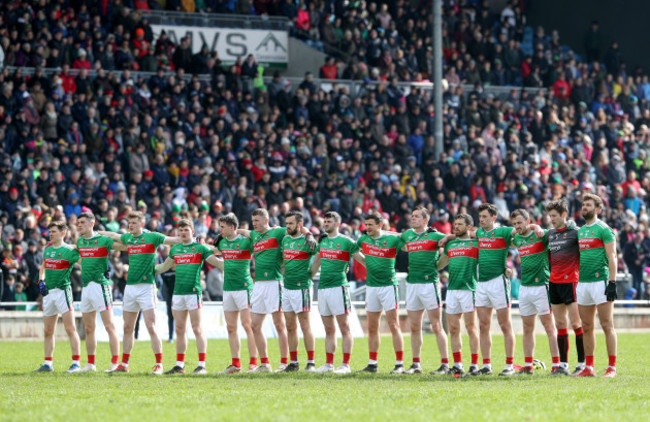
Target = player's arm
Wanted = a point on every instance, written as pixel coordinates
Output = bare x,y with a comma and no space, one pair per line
446,239
119,246
216,262
610,250
41,279
172,240
360,258
244,232
115,236
165,266
443,261
315,265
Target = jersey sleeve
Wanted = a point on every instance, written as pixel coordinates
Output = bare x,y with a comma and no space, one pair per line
399,242
359,243
506,232
205,251
109,242
158,238
254,236
74,255
124,237
608,235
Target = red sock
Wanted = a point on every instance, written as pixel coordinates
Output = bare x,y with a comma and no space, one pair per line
458,357
373,355
399,355
310,355
346,358
284,360
202,357
612,361
236,362
91,359
556,359
510,360
125,358
527,359
264,361
294,356
589,361
578,331
416,360
486,361
75,357
48,358
253,361
115,359
329,358
444,361
158,357
563,332
474,358
179,357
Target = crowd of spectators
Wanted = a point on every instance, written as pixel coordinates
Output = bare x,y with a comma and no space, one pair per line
173,145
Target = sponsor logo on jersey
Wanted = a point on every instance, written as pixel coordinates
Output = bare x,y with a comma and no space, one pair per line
335,254
422,245
235,254
590,243
265,244
293,254
531,248
463,251
56,264
97,252
147,248
378,251
188,258
492,243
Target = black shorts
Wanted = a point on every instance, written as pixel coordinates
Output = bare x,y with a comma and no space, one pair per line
562,293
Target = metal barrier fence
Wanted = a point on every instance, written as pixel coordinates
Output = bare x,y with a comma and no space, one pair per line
216,20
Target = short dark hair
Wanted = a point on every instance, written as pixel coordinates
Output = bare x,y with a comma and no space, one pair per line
135,215
491,208
185,222
230,219
520,213
375,216
260,212
89,215
559,205
61,225
424,211
465,217
598,201
295,214
333,215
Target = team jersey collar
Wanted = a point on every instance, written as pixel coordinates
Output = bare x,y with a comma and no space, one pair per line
296,238
237,236
95,234
592,224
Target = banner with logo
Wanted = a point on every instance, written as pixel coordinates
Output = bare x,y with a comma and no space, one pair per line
270,48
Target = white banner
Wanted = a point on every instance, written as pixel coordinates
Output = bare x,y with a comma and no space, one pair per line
270,48
214,324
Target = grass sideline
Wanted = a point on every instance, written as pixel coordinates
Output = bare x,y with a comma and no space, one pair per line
313,397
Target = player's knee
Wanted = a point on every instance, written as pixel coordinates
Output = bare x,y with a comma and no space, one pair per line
279,326
607,326
89,329
48,332
394,327
198,330
232,329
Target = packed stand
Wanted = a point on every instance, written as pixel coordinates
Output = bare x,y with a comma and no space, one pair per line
174,146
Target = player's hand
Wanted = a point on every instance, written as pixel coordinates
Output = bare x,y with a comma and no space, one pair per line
431,230
510,272
446,239
322,236
610,291
311,242
43,288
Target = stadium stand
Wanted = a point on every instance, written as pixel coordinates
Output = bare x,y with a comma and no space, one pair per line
95,114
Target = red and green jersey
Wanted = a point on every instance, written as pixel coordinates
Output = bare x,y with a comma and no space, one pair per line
58,264
297,263
463,261
423,255
268,255
594,264
237,254
335,254
142,256
380,258
533,253
189,261
492,252
93,253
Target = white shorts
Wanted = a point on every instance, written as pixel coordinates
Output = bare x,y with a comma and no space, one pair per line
96,297
534,300
139,297
266,297
296,301
382,298
334,301
422,296
459,302
494,293
237,300
57,302
189,302
591,293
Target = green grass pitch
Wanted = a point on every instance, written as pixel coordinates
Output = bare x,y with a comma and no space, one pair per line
305,397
